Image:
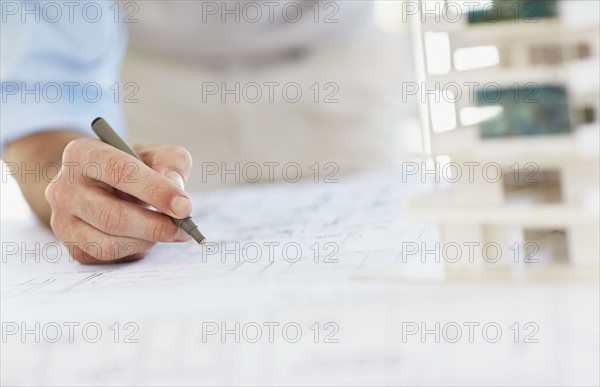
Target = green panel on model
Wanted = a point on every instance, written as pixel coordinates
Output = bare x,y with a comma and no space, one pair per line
506,10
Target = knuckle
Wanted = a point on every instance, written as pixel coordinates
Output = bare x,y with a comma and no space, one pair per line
73,150
157,195
112,219
116,167
78,149
156,231
58,193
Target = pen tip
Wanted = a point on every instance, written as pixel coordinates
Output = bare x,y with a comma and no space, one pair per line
197,235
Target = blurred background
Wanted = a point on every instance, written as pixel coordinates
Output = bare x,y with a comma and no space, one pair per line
370,85
228,92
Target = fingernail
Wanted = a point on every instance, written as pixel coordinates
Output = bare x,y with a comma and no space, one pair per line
175,177
181,206
181,236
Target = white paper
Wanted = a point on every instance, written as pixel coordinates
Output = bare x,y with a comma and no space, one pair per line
173,295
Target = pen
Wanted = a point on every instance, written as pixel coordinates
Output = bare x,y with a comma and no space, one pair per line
109,136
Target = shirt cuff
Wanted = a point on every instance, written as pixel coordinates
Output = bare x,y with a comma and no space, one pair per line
24,114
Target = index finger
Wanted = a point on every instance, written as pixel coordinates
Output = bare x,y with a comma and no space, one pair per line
128,174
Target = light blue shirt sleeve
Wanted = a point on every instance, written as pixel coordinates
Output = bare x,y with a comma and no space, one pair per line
60,66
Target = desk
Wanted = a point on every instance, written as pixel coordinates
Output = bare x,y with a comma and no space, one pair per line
187,315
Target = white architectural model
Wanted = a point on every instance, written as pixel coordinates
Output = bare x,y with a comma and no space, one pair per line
515,121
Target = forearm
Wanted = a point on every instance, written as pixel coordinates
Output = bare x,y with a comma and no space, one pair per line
35,153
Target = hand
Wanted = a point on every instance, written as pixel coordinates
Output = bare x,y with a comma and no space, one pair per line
99,200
